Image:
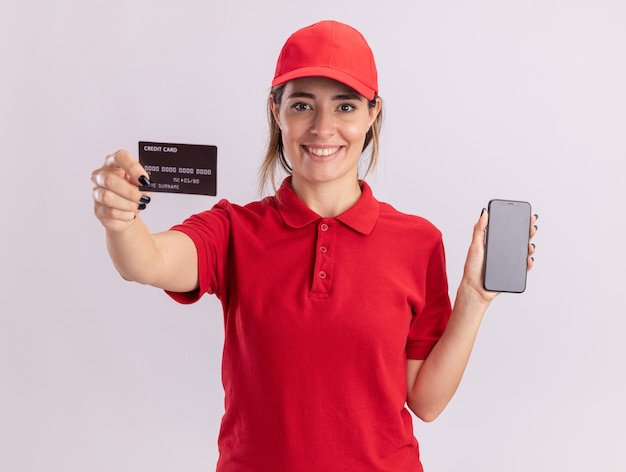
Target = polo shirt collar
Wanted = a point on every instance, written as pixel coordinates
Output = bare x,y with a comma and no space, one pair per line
361,217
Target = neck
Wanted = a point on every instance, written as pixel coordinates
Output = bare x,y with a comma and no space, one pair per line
327,199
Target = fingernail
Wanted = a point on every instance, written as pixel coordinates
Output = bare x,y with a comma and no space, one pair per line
533,245
143,180
142,206
145,199
536,216
482,211
532,259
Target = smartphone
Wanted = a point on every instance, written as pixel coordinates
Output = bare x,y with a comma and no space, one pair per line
506,246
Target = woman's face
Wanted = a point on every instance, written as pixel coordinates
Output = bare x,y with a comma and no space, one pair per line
323,125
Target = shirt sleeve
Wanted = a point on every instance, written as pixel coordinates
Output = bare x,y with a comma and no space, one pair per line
210,232
428,325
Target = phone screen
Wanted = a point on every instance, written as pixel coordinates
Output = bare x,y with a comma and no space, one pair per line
506,249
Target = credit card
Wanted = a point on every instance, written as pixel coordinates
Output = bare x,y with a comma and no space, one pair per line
179,168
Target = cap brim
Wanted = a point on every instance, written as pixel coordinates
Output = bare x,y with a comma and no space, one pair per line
365,90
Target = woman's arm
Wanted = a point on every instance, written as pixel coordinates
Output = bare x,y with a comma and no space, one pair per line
166,260
433,381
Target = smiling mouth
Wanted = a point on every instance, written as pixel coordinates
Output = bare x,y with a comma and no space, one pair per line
321,152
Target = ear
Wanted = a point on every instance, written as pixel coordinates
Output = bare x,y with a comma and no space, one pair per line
275,109
374,111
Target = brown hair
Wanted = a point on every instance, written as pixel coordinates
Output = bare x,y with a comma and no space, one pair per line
275,156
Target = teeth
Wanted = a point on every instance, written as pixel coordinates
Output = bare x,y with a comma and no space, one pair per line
322,152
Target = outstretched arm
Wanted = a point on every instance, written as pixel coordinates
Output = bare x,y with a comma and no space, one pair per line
166,260
433,381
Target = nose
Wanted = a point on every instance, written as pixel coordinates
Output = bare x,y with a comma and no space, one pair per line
324,124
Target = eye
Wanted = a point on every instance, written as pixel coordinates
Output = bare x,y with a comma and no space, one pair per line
347,107
300,106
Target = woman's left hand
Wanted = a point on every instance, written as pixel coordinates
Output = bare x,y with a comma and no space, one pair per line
474,264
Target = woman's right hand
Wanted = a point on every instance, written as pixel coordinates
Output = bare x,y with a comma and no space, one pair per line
116,195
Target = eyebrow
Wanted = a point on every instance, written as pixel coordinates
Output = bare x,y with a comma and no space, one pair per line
341,96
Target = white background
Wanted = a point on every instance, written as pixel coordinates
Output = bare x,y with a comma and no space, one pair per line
483,99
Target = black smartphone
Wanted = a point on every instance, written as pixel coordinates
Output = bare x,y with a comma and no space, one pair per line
506,246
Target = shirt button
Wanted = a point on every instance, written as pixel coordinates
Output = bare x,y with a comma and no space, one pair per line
323,249
322,274
324,227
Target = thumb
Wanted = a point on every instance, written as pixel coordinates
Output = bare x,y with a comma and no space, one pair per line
123,160
480,228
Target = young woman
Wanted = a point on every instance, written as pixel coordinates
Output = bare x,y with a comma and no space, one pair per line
337,315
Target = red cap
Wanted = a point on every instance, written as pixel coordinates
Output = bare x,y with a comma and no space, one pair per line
329,49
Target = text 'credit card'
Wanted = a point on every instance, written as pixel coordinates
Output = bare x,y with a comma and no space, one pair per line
179,168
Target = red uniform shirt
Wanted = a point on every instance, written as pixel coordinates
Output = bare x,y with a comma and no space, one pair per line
320,316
